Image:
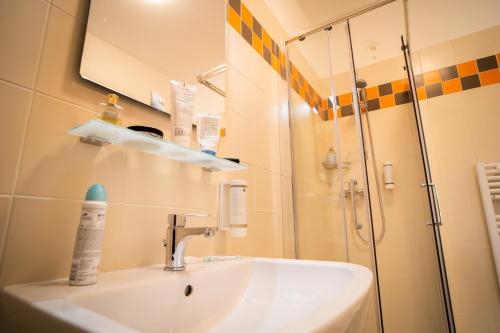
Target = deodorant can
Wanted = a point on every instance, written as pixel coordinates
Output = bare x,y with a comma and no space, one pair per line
88,244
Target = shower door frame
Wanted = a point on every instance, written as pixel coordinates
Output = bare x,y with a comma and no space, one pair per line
428,184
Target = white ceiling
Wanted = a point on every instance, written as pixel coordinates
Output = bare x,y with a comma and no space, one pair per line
376,35
180,38
369,44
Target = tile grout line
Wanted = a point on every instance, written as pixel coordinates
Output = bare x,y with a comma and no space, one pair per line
57,99
116,203
3,241
15,84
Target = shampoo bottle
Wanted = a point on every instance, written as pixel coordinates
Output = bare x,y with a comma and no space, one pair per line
88,244
208,132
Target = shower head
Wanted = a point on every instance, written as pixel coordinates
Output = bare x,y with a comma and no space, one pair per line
360,83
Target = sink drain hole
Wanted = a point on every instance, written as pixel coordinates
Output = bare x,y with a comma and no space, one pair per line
188,290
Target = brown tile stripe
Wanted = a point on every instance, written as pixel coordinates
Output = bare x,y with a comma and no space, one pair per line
472,74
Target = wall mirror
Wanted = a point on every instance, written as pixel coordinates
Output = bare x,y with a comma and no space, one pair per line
135,47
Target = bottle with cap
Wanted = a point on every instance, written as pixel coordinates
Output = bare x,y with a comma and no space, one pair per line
111,108
88,244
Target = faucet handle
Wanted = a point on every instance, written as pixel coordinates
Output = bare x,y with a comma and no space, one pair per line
195,215
179,220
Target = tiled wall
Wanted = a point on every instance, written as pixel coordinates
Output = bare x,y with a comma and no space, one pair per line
45,172
440,81
246,24
463,129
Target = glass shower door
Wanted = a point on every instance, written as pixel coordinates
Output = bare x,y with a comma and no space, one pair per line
354,131
405,211
319,220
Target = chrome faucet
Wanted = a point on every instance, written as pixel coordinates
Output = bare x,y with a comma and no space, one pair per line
178,236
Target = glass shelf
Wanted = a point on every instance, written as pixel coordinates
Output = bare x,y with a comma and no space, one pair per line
99,132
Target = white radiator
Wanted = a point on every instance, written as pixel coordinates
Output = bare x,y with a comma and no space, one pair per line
488,175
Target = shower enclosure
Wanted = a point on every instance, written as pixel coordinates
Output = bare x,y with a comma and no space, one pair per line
363,190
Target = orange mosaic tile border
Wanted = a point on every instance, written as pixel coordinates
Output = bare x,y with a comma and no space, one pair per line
469,75
242,20
472,74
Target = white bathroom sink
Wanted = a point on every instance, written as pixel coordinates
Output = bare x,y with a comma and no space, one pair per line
242,295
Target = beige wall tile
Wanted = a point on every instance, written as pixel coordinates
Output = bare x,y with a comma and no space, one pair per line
240,137
239,93
488,153
464,229
475,306
21,34
268,192
41,238
264,238
154,180
13,116
4,214
476,45
481,103
143,229
470,264
240,54
436,57
265,78
56,164
267,149
265,109
452,196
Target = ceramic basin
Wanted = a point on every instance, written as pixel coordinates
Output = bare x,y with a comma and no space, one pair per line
242,295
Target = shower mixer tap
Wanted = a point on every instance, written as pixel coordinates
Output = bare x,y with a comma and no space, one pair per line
352,192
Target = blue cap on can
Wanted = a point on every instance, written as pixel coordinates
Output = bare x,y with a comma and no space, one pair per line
96,192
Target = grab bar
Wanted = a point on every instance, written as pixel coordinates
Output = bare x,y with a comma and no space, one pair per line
435,194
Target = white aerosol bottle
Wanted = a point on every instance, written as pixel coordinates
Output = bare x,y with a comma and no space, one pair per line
88,244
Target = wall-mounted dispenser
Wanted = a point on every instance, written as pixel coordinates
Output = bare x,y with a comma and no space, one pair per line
388,176
233,207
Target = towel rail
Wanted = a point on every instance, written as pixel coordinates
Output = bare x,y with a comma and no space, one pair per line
490,191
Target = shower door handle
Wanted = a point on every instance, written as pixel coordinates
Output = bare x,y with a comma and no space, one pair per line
438,206
435,194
